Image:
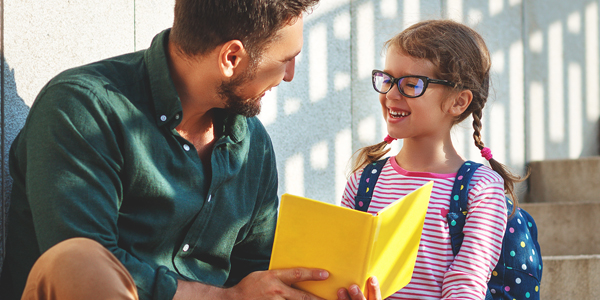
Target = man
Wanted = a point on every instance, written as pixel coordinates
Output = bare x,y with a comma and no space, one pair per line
147,175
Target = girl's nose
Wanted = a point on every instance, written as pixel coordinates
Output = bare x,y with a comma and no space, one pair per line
394,93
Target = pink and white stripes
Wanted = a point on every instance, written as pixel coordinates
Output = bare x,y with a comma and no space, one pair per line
438,274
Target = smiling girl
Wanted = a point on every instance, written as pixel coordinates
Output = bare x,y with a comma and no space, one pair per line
436,75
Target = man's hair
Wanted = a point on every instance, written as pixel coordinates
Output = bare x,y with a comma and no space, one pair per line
202,25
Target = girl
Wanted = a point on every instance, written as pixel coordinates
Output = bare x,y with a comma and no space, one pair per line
437,74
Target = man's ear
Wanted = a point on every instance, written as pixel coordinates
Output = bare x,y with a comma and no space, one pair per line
231,57
461,102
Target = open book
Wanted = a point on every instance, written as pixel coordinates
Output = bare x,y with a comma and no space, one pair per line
350,244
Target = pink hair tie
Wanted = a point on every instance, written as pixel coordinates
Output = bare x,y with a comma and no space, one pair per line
486,153
388,139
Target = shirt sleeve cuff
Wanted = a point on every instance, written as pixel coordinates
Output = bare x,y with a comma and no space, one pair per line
165,284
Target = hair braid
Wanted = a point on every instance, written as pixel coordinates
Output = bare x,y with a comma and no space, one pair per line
509,178
369,154
477,115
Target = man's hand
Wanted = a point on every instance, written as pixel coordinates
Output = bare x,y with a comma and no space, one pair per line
354,293
273,284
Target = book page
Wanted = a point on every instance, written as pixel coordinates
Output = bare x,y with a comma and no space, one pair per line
316,234
397,243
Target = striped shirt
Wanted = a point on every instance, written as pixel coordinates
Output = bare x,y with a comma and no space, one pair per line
438,274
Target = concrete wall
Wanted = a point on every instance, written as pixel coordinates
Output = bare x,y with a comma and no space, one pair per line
544,104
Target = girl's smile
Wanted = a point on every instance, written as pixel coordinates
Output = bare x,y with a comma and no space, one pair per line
395,114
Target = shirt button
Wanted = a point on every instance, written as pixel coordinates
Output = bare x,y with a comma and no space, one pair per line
163,118
177,117
186,247
209,197
186,147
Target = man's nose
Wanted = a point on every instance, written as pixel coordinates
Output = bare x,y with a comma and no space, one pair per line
289,70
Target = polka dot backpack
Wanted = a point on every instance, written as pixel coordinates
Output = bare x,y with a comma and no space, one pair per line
519,270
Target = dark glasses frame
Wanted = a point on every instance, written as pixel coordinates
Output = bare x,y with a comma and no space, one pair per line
396,81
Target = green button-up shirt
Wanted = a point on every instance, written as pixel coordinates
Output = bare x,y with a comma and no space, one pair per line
99,157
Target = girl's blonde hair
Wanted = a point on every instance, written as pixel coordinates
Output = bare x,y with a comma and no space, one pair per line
460,55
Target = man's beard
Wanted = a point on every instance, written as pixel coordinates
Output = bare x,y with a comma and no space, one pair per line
235,103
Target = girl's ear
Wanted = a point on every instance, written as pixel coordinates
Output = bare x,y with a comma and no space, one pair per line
231,57
461,102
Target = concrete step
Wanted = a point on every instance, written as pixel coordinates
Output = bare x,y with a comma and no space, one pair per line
569,180
566,228
566,206
571,277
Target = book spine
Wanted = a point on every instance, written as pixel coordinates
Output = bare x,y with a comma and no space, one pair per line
368,262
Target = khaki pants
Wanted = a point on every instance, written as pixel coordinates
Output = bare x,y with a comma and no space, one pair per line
79,268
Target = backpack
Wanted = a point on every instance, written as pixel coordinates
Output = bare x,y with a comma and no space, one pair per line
519,270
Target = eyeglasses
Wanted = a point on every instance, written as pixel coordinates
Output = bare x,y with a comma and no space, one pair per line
411,86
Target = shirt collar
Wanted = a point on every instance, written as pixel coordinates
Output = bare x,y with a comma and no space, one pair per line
235,126
167,105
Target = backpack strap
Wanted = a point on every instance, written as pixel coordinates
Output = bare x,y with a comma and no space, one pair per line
457,214
366,184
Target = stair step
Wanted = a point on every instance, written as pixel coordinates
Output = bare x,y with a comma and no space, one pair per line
568,180
571,277
566,228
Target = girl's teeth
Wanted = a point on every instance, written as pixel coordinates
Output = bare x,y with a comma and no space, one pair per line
399,114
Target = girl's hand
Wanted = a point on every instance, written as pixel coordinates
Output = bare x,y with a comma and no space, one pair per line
354,293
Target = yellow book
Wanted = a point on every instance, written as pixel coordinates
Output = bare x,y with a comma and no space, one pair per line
350,244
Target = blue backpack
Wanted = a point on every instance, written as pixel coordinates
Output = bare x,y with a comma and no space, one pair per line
519,270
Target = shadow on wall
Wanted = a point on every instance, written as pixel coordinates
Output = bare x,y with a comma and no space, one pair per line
590,140
598,137
14,113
